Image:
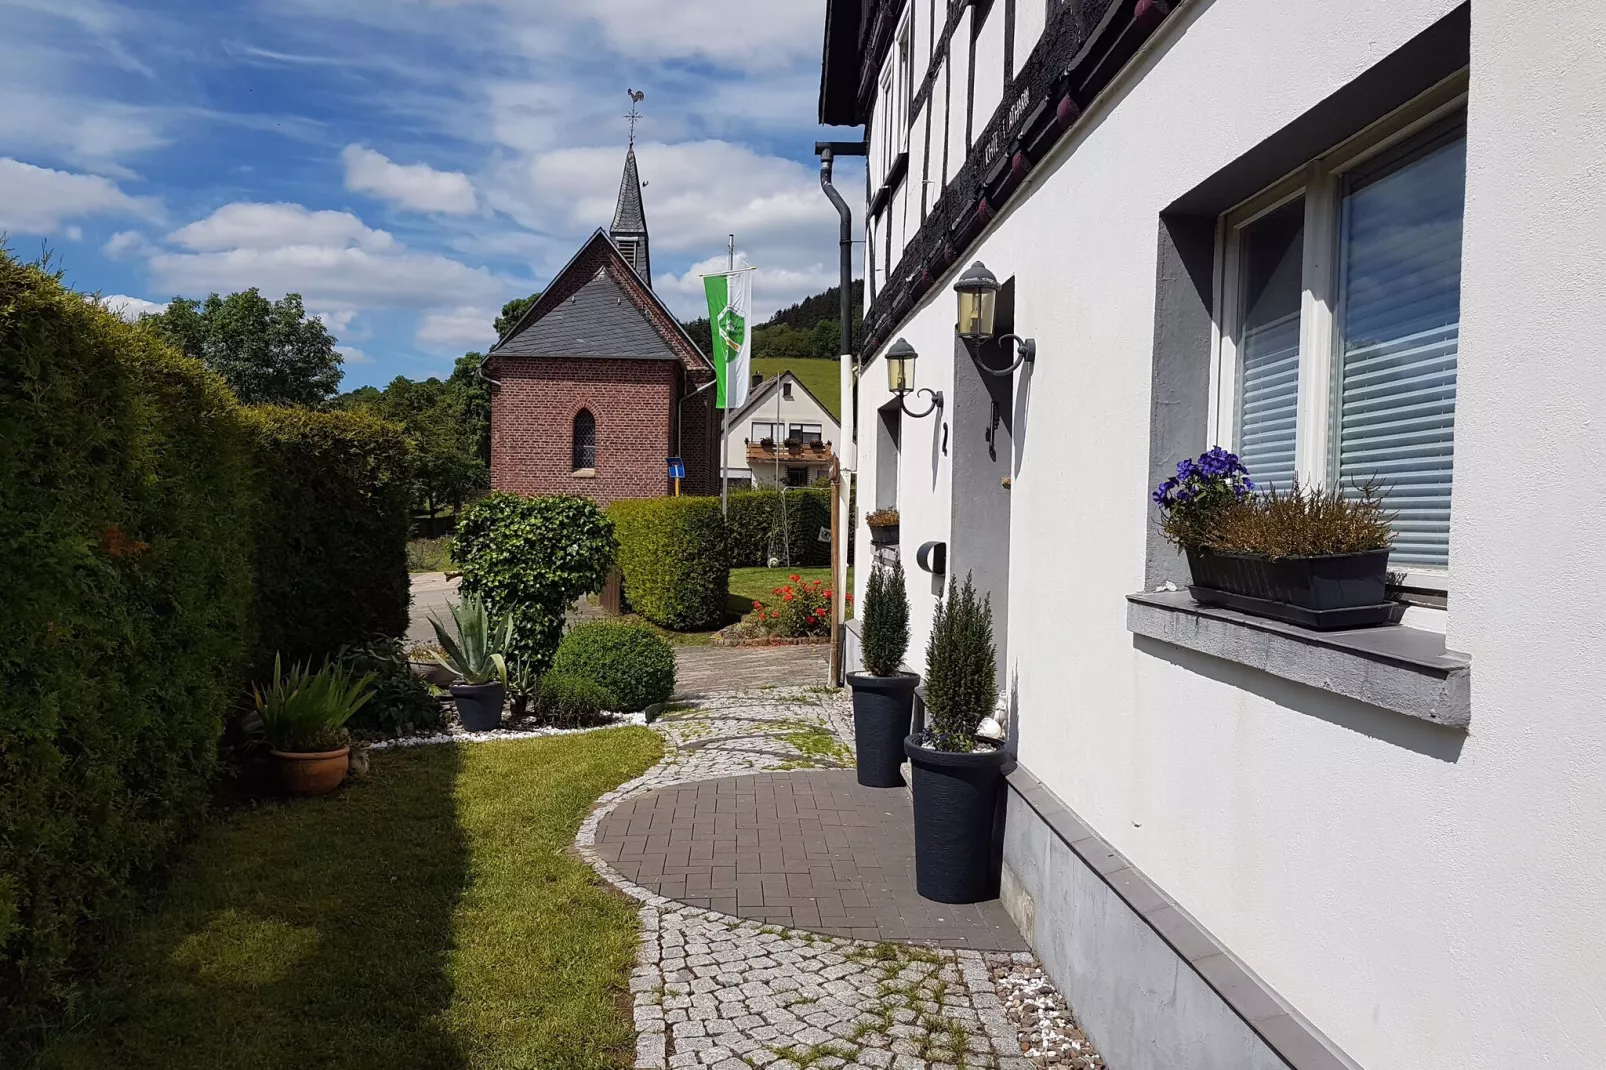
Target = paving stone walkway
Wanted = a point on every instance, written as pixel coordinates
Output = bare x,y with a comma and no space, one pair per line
713,989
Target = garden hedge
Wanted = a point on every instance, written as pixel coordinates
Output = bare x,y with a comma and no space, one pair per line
674,555
331,532
125,524
633,662
757,530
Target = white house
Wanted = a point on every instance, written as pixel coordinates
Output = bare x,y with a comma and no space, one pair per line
1340,238
783,436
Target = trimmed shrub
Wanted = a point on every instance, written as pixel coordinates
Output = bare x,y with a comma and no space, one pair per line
331,532
632,661
885,638
758,529
564,701
531,558
961,678
125,522
675,559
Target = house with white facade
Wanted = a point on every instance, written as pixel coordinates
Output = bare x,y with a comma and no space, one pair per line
782,437
1349,239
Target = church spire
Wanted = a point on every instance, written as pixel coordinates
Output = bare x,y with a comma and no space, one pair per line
629,230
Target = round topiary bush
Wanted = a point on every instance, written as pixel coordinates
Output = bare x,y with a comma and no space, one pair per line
572,701
630,660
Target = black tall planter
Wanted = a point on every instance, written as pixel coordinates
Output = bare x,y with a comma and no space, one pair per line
479,706
882,709
956,802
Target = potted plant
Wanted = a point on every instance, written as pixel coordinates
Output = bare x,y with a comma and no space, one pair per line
523,684
302,715
476,657
883,527
767,442
957,774
883,696
1313,557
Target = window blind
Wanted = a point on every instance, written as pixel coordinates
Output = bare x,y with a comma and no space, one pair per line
1272,255
1399,324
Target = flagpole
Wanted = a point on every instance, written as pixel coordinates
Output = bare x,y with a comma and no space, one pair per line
725,433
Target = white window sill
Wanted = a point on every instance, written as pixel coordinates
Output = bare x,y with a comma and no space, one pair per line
1395,667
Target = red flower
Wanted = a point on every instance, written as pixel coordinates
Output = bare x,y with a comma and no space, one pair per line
775,615
787,597
820,612
758,605
850,599
828,594
794,577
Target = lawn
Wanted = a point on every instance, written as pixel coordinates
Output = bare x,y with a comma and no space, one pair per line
822,377
749,585
430,555
427,916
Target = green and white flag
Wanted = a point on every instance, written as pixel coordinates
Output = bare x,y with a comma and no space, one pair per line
730,306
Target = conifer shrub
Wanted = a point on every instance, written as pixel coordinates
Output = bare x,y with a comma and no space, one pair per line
125,526
961,679
330,533
631,661
884,632
531,558
674,555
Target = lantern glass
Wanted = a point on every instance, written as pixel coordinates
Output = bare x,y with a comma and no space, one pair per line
901,373
977,307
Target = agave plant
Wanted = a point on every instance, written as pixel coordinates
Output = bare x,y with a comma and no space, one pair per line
306,712
476,652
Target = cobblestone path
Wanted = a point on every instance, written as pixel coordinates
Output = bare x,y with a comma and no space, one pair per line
713,990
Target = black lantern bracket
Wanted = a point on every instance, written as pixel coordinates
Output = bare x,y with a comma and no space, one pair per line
936,403
1025,353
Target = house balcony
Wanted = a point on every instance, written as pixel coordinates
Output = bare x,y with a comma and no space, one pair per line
792,451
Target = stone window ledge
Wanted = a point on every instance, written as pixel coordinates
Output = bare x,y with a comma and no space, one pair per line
1407,670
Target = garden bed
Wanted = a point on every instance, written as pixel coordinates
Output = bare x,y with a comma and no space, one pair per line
728,638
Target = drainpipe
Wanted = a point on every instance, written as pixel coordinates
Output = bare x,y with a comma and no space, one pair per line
828,152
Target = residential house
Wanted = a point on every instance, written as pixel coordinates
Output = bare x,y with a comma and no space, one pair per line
783,436
1346,240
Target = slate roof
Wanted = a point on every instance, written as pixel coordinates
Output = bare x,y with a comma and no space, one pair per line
630,217
597,320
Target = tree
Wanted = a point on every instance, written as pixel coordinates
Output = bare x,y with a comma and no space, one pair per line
514,311
269,352
442,434
476,399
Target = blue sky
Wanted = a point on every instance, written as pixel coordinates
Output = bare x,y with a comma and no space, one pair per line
407,165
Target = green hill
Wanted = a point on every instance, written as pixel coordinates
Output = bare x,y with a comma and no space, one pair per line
822,377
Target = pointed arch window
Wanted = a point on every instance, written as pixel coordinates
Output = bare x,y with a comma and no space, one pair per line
585,441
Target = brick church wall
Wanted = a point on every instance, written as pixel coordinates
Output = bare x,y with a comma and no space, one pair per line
532,426
700,444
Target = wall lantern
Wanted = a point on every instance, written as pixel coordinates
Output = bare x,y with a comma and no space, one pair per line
978,304
901,378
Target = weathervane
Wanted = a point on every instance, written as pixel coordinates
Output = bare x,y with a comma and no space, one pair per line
635,116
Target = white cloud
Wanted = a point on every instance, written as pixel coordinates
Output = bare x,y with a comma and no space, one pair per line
353,355
466,326
417,186
129,308
247,225
122,243
36,200
74,233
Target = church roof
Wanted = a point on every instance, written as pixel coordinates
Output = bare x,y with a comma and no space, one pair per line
630,217
597,320
597,306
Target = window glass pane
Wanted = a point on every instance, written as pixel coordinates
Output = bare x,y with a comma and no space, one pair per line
585,440
1399,330
1273,257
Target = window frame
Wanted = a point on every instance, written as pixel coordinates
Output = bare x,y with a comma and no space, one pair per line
574,441
1321,183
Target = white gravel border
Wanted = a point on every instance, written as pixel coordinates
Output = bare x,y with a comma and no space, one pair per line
455,734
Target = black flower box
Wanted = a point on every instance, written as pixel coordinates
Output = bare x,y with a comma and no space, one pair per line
884,534
1322,593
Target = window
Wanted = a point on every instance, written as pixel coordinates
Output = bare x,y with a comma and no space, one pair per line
761,431
895,100
797,477
1339,309
585,441
786,391
805,432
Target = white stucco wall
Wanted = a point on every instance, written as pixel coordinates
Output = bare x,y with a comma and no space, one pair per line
1430,901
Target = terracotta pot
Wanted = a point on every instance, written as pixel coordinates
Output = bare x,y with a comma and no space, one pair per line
309,775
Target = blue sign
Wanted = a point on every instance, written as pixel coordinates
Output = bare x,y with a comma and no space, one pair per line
677,468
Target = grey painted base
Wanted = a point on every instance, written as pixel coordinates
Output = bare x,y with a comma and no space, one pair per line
1152,989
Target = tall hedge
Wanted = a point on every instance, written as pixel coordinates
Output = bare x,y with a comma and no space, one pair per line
125,514
331,531
758,529
674,555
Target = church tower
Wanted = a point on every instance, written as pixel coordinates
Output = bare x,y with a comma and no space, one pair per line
629,230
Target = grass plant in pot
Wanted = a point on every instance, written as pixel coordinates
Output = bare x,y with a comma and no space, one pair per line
1315,557
476,655
883,696
302,716
956,775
